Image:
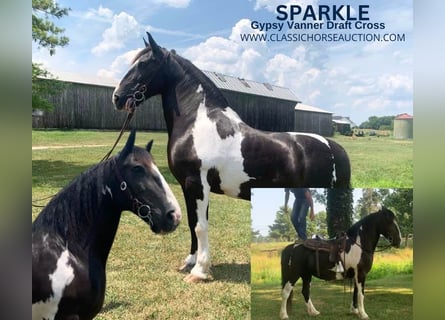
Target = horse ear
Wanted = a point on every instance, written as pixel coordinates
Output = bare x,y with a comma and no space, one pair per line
128,145
154,46
145,42
149,145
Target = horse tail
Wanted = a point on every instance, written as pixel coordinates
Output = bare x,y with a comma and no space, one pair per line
285,265
342,166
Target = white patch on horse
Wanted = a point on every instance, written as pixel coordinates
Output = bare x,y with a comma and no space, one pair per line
311,309
313,135
106,189
334,173
177,215
232,115
60,279
222,154
285,293
202,265
199,89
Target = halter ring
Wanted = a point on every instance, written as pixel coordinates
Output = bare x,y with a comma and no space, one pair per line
123,186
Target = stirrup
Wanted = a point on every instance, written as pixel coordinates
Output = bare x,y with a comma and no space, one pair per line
339,267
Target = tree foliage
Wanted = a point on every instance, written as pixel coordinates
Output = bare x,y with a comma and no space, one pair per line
47,35
44,32
378,123
282,228
401,201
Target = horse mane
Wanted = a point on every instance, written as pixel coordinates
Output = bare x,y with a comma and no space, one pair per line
76,205
353,231
213,94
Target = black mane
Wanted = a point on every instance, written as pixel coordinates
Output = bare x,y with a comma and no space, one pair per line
76,205
213,94
353,231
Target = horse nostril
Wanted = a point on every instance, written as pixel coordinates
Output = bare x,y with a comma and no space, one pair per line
171,214
115,98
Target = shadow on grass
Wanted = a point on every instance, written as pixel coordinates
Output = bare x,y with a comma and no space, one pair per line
55,174
231,272
114,305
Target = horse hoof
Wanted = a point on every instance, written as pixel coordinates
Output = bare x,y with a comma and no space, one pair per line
191,278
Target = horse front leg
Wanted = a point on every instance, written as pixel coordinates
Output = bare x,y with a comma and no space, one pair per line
190,201
306,294
360,288
201,269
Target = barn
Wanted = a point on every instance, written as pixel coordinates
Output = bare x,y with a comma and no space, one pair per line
312,119
260,105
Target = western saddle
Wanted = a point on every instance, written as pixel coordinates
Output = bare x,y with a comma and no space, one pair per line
333,246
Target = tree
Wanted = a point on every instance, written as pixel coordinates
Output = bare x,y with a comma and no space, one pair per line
339,210
368,203
318,226
401,200
282,228
47,35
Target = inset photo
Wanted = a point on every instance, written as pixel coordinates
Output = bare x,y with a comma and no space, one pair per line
322,251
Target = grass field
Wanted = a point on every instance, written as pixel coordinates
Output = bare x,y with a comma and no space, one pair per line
142,281
388,292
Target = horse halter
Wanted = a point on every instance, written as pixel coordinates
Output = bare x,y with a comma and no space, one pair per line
143,210
139,95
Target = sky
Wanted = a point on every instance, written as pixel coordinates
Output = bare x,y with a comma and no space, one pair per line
265,202
354,79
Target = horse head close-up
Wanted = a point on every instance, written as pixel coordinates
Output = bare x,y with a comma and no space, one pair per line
73,235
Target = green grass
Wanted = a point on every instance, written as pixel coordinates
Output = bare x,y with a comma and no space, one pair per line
388,293
142,277
379,162
385,299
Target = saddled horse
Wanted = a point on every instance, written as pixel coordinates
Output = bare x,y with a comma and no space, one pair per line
298,261
210,149
72,236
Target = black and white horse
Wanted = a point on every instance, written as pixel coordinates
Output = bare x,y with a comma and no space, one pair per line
298,261
72,236
210,149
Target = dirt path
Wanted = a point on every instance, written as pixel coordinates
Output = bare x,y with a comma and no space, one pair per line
69,146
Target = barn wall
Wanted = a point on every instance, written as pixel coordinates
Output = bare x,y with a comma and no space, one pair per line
86,106
313,122
262,113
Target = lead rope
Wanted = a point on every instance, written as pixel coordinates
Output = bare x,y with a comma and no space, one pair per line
124,127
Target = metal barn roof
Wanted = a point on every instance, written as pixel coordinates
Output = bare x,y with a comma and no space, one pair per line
225,82
306,107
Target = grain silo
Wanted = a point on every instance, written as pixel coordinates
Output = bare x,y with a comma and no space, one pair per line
403,126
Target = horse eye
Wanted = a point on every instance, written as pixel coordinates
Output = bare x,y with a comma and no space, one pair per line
138,169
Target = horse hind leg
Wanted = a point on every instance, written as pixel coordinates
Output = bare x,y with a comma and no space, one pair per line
305,291
286,300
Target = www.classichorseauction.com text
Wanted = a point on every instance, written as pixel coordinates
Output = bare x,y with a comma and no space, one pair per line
314,23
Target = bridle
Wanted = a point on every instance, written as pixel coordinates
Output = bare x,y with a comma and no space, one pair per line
138,97
143,210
